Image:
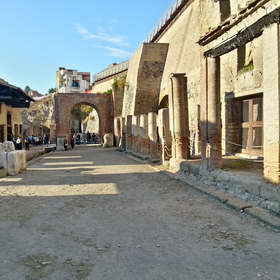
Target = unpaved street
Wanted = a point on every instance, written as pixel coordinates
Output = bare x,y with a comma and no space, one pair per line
95,214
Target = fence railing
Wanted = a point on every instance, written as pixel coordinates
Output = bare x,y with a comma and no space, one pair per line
171,12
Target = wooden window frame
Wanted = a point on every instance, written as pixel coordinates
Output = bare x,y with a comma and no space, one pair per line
250,125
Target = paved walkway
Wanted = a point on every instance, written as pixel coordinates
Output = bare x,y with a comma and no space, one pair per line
94,214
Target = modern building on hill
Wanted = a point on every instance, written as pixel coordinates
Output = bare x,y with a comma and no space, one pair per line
72,81
12,102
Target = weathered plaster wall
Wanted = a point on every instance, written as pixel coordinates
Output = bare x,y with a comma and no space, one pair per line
184,57
131,80
236,83
106,84
103,85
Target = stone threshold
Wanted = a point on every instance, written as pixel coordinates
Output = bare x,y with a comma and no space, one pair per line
251,208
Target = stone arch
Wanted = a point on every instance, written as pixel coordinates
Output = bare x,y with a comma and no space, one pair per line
91,105
164,103
65,102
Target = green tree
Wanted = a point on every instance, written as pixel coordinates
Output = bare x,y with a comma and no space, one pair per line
51,90
27,89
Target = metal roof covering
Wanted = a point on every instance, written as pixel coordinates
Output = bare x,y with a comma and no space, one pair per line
110,71
14,96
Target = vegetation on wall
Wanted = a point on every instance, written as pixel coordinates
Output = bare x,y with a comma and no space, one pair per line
247,68
81,112
119,82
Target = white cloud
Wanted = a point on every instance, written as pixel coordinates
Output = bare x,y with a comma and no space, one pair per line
102,36
116,52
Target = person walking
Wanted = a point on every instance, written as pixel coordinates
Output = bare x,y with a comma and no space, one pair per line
27,143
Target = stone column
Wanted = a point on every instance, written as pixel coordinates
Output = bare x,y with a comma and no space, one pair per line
117,130
123,134
178,101
203,110
271,103
128,141
144,138
164,134
214,114
153,136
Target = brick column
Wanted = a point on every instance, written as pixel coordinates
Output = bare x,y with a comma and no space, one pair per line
135,133
214,114
153,136
164,134
271,103
128,123
178,101
144,138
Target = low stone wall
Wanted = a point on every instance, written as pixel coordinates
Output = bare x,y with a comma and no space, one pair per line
248,188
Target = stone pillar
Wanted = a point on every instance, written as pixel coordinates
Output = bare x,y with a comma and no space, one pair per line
211,115
203,110
214,114
271,103
164,134
128,133
178,101
144,145
153,136
117,130
123,134
135,133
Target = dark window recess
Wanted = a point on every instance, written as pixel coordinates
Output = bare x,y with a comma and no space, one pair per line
75,84
2,129
225,9
9,119
16,130
241,54
252,126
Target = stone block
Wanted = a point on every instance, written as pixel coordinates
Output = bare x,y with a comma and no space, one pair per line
9,146
14,163
108,139
3,164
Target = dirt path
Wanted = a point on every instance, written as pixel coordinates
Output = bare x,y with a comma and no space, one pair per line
95,214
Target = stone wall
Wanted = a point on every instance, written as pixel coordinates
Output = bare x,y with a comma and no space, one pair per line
15,115
183,57
144,78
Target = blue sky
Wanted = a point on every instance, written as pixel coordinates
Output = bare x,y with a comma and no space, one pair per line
38,36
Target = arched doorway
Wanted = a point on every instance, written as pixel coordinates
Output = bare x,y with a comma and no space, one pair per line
85,124
64,104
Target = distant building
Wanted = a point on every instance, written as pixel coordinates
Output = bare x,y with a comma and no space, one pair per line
72,81
34,94
13,101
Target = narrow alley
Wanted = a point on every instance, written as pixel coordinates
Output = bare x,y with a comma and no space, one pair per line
93,213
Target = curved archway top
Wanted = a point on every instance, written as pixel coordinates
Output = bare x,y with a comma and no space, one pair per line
164,102
87,104
65,102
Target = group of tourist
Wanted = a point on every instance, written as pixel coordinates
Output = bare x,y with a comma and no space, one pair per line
25,142
86,138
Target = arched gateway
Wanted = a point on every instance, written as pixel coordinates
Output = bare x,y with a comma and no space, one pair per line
65,102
